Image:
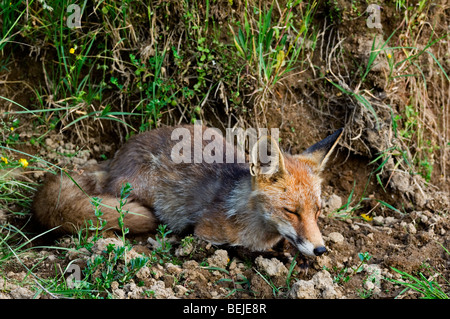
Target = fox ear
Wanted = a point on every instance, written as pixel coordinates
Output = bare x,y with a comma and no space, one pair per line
266,160
321,151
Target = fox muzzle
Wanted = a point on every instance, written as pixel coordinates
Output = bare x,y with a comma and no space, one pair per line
319,250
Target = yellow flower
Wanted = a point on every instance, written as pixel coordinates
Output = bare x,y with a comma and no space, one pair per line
4,159
367,217
389,56
72,51
12,128
23,162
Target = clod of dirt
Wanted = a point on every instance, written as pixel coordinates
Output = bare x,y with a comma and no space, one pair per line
21,293
56,146
332,203
219,259
154,244
401,182
173,269
157,289
272,267
336,237
378,220
101,245
373,280
184,250
144,273
160,291
157,271
180,291
303,289
386,221
320,286
410,228
236,268
9,290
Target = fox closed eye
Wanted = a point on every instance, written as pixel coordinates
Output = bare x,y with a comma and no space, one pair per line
290,211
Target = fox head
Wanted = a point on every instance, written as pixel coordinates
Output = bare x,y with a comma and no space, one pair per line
292,187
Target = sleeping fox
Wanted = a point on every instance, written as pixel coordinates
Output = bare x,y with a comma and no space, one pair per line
237,203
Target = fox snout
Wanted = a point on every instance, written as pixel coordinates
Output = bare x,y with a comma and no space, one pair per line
308,240
319,250
308,248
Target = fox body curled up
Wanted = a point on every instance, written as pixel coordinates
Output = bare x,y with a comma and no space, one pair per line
224,203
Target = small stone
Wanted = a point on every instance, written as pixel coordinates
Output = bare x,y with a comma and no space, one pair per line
378,220
303,289
411,229
180,291
219,259
336,237
333,203
173,269
390,220
273,267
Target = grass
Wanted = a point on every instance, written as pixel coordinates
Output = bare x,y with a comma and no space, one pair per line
428,288
266,49
275,48
346,273
407,67
426,285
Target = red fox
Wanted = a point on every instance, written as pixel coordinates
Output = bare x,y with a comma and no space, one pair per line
223,203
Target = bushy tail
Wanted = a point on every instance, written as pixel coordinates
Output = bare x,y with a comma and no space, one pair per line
63,202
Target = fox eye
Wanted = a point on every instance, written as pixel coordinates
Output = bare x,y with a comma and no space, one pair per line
290,211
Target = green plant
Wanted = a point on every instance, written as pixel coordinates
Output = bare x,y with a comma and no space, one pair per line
236,282
400,4
345,273
125,192
427,287
394,152
364,293
275,290
188,240
291,271
161,253
10,21
267,50
156,91
111,266
335,12
100,223
289,277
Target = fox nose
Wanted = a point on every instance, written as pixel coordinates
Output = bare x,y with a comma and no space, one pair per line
319,250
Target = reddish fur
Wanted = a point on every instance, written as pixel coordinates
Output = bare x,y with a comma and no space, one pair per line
298,190
222,203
